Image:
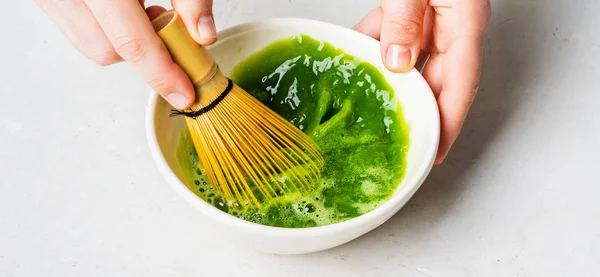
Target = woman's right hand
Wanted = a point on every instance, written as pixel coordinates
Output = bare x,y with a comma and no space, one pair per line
112,31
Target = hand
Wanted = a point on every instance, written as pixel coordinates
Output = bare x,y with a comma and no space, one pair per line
111,31
452,32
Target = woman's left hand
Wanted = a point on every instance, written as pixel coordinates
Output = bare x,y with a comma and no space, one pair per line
452,32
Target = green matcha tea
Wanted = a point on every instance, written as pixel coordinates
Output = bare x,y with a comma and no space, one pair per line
348,109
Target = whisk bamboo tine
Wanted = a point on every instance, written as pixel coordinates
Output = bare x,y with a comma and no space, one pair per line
243,164
281,163
217,163
256,156
291,163
256,174
288,128
270,149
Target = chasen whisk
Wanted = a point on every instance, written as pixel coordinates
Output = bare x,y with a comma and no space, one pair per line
248,151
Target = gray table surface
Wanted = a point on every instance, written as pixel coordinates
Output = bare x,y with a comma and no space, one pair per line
518,195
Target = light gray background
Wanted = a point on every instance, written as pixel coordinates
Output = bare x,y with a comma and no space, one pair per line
518,195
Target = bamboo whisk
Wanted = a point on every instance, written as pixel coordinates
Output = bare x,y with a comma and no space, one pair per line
245,148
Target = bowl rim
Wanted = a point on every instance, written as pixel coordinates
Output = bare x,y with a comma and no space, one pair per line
398,199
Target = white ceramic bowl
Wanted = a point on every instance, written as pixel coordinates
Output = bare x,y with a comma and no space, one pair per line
235,44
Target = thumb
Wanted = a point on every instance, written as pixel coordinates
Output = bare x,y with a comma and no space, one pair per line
198,17
401,33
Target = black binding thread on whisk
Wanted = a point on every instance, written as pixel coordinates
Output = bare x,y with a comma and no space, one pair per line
208,107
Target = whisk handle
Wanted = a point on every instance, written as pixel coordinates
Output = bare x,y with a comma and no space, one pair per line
192,57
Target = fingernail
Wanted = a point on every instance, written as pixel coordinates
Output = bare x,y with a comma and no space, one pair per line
206,27
178,100
398,57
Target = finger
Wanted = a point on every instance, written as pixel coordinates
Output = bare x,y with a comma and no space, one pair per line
461,73
370,25
198,18
433,73
132,35
427,42
154,11
401,33
81,28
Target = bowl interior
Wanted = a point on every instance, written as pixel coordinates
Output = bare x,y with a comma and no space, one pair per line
237,43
